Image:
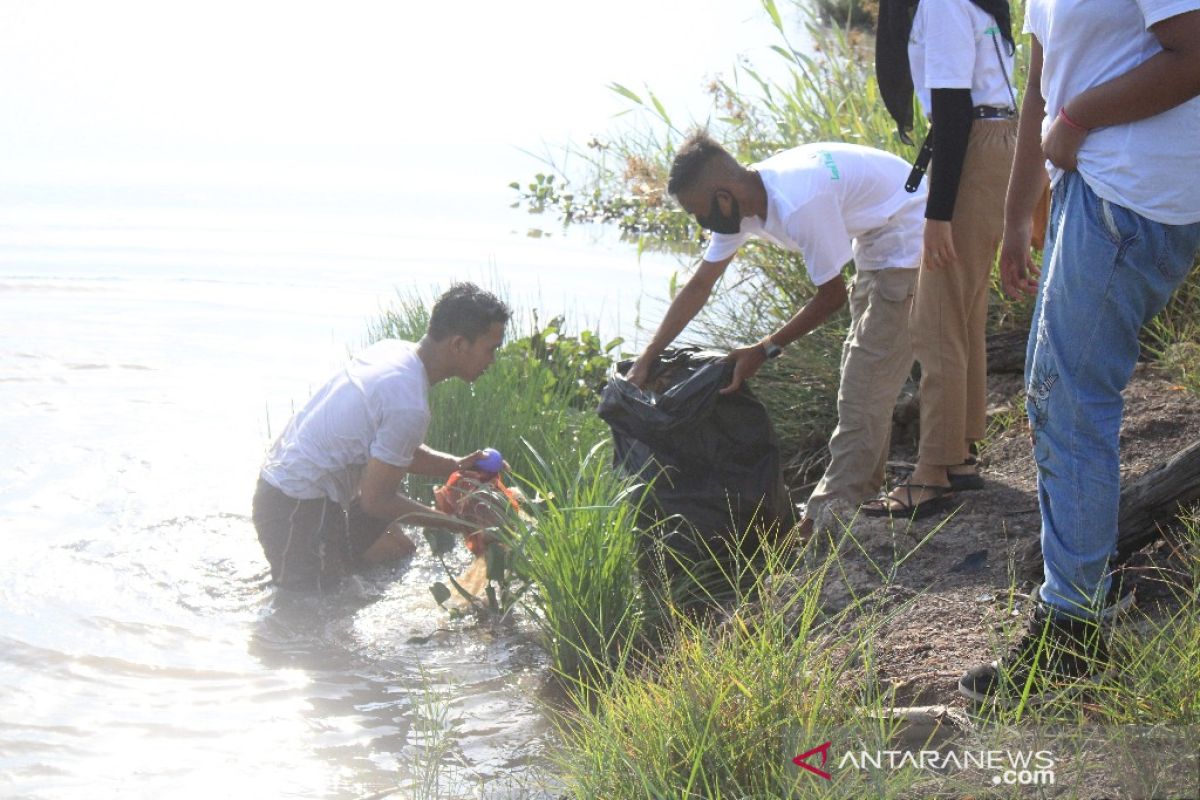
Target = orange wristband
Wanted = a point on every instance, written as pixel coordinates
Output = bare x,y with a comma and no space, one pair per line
1062,112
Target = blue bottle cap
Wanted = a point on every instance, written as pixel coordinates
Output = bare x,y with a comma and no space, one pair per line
492,461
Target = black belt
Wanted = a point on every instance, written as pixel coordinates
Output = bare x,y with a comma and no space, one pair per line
921,162
993,112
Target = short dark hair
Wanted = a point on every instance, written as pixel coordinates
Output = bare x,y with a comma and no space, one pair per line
696,153
466,310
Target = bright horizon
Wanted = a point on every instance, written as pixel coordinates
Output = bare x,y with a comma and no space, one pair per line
436,100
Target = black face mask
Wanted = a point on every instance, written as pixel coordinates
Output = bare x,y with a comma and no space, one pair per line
716,222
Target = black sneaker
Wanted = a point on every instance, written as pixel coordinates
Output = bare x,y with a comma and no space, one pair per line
1120,598
1055,654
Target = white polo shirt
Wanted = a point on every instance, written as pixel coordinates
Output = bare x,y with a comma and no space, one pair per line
833,202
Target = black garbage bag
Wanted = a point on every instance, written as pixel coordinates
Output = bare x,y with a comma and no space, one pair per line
711,463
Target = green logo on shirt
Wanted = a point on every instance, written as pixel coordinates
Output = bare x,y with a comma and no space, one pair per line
827,160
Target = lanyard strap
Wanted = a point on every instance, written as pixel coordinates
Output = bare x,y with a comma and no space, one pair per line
999,58
920,164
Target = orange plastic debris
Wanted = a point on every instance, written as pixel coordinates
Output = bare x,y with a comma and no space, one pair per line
475,497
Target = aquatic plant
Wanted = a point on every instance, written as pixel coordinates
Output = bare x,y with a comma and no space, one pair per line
571,557
579,549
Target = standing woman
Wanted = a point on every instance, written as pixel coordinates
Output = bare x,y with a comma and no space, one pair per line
959,56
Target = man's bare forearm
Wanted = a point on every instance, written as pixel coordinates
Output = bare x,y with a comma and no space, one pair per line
830,296
683,309
1161,82
1028,176
410,512
427,461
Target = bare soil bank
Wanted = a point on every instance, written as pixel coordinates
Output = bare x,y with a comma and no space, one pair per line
954,600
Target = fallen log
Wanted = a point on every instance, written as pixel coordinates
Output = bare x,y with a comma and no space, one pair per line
1006,352
1150,508
1151,504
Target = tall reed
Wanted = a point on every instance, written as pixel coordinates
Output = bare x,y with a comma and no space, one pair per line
579,549
728,704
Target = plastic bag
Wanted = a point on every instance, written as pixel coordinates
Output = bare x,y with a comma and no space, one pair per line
480,498
710,460
476,497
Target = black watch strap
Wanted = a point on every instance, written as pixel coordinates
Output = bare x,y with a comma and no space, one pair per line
770,348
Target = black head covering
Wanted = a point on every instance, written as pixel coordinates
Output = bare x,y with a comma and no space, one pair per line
892,70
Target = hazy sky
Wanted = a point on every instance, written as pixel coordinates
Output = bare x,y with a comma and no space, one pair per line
439,95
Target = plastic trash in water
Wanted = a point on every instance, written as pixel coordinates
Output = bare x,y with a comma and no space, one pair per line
479,497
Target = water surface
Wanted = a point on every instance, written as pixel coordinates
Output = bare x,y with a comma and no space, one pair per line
145,365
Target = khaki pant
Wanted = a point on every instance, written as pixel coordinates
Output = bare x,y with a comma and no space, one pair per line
876,360
949,319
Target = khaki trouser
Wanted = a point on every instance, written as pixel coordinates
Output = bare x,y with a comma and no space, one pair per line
876,360
949,318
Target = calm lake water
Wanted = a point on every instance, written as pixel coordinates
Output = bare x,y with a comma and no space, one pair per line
201,210
144,653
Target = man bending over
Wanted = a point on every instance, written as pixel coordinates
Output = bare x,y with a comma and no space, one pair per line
831,203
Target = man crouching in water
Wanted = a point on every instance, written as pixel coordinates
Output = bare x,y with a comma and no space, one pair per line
330,486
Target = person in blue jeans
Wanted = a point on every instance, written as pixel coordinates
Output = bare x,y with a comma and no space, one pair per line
1112,104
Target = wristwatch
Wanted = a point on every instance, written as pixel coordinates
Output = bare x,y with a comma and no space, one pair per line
770,348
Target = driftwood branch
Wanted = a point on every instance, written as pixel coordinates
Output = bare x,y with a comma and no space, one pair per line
1150,505
1150,508
1006,352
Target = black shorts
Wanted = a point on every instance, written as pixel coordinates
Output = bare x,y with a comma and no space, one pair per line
311,544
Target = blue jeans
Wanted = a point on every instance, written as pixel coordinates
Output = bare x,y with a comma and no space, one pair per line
1107,272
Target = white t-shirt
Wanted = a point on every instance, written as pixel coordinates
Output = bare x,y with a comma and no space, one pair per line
1151,166
953,46
376,407
832,202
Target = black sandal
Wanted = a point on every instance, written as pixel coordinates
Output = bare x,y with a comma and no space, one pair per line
888,506
967,481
